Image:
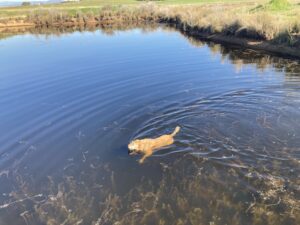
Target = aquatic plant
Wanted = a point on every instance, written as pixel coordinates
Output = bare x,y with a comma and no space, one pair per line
191,191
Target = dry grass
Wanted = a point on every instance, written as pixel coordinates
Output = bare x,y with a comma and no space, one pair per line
282,27
260,22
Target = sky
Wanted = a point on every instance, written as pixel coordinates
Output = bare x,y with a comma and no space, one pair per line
21,0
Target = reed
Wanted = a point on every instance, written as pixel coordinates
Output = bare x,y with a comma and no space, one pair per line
259,22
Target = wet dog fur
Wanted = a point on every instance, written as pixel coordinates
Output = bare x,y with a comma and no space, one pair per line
148,145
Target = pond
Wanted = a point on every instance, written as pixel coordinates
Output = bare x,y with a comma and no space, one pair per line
71,103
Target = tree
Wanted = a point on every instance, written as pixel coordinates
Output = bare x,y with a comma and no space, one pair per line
25,3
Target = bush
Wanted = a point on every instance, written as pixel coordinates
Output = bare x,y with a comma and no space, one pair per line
26,3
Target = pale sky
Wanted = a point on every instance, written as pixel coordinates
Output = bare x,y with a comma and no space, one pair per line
21,0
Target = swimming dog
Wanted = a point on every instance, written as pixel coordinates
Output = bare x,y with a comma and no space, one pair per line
148,145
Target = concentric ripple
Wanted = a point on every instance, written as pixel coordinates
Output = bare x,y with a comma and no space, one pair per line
73,102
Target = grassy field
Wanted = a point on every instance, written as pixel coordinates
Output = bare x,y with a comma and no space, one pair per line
87,5
279,7
276,20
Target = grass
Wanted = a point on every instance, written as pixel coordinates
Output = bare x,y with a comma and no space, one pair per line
276,20
98,4
279,5
275,5
94,5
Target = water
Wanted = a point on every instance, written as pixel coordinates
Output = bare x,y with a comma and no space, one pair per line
70,103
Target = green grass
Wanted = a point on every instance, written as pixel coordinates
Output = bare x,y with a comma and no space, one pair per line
92,5
287,8
271,19
278,5
97,4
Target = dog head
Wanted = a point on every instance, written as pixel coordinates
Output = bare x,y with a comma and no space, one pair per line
133,147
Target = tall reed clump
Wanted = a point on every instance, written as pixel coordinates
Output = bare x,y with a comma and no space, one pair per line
224,19
48,17
144,12
261,25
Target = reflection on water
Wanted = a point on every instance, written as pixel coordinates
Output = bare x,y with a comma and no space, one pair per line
76,100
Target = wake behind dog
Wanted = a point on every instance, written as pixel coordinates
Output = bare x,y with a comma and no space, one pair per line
148,145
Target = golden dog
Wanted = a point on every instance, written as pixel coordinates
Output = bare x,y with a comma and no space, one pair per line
148,145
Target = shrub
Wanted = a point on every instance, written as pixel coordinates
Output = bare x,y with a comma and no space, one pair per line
26,3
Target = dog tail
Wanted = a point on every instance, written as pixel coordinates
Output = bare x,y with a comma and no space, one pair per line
177,129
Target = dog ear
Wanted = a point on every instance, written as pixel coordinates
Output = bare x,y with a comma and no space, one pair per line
136,141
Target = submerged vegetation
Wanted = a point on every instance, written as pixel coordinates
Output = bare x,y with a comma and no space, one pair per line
254,186
186,190
192,199
190,190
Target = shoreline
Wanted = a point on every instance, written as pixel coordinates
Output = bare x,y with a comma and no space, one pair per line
195,32
261,45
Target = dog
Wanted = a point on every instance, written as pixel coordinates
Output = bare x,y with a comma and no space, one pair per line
148,145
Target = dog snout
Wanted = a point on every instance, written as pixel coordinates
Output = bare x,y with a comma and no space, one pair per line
132,152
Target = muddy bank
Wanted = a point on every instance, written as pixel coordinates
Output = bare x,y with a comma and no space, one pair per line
241,37
15,23
237,35
245,42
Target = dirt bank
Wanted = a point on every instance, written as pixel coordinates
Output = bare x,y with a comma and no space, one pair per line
245,42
